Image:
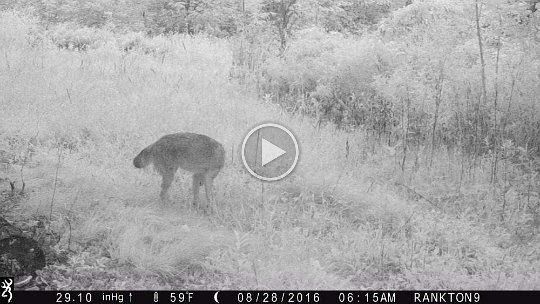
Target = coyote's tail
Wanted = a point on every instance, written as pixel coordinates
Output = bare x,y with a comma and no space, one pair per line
219,153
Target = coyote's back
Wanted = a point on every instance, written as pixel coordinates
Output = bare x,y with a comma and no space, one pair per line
196,153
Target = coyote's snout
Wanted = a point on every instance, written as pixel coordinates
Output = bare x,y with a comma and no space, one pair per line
196,153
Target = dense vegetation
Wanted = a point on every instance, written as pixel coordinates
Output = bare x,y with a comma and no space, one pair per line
418,122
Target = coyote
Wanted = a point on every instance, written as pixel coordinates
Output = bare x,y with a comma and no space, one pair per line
196,153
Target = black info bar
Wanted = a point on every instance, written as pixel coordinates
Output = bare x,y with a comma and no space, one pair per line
267,296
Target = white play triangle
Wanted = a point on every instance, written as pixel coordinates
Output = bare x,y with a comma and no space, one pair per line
269,151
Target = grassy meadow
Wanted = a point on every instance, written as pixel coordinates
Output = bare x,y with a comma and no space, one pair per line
71,123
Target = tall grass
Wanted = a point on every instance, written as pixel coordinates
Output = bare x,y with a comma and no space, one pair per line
334,223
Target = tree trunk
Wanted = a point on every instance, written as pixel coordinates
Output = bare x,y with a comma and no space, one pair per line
438,97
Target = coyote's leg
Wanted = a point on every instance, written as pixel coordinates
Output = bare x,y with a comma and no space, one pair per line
166,184
208,185
197,179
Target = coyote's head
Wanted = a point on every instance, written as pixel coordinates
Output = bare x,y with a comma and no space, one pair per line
143,159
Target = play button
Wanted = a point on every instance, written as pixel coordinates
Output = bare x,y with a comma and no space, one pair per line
270,152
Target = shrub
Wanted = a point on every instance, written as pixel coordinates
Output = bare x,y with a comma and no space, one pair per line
329,76
70,37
